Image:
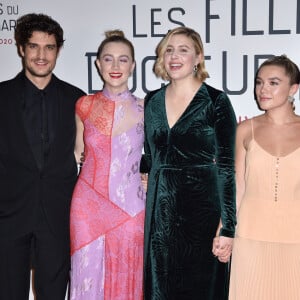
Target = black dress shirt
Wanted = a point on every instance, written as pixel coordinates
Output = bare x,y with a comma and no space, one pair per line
40,112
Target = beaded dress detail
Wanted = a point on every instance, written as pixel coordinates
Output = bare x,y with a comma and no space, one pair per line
265,260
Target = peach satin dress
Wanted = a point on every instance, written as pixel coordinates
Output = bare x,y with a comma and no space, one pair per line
266,253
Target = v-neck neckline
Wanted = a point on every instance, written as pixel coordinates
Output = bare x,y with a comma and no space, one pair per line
183,113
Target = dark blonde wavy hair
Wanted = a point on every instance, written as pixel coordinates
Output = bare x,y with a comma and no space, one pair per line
291,69
159,68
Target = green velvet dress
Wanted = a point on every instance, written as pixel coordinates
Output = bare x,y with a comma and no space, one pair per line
191,186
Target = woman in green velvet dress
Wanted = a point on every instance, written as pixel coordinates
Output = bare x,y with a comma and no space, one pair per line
189,150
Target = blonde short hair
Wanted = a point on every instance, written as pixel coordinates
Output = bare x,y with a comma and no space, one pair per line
159,67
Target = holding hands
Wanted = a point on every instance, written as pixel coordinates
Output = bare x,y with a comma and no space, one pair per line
222,247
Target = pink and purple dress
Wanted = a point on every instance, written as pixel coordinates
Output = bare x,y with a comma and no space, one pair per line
108,205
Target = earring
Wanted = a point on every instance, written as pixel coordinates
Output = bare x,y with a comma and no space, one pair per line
291,99
195,69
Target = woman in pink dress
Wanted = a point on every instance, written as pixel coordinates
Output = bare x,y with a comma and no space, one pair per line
107,211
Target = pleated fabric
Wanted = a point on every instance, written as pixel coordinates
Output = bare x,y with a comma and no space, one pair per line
265,271
266,253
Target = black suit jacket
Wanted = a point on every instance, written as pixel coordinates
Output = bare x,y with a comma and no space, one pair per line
23,187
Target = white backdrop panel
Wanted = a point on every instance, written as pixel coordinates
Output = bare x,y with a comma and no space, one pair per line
237,36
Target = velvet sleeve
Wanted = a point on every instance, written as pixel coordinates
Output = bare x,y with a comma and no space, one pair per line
225,129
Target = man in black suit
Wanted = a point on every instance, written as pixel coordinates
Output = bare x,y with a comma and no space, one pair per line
38,169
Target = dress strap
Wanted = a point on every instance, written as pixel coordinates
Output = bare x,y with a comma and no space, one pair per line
252,130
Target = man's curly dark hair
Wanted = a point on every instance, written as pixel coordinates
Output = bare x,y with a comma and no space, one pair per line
29,23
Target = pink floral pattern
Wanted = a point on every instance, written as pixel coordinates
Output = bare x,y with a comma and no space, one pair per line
107,211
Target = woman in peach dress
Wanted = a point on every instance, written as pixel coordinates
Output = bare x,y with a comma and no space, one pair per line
266,252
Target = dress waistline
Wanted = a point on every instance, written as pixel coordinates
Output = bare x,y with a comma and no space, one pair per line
183,167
